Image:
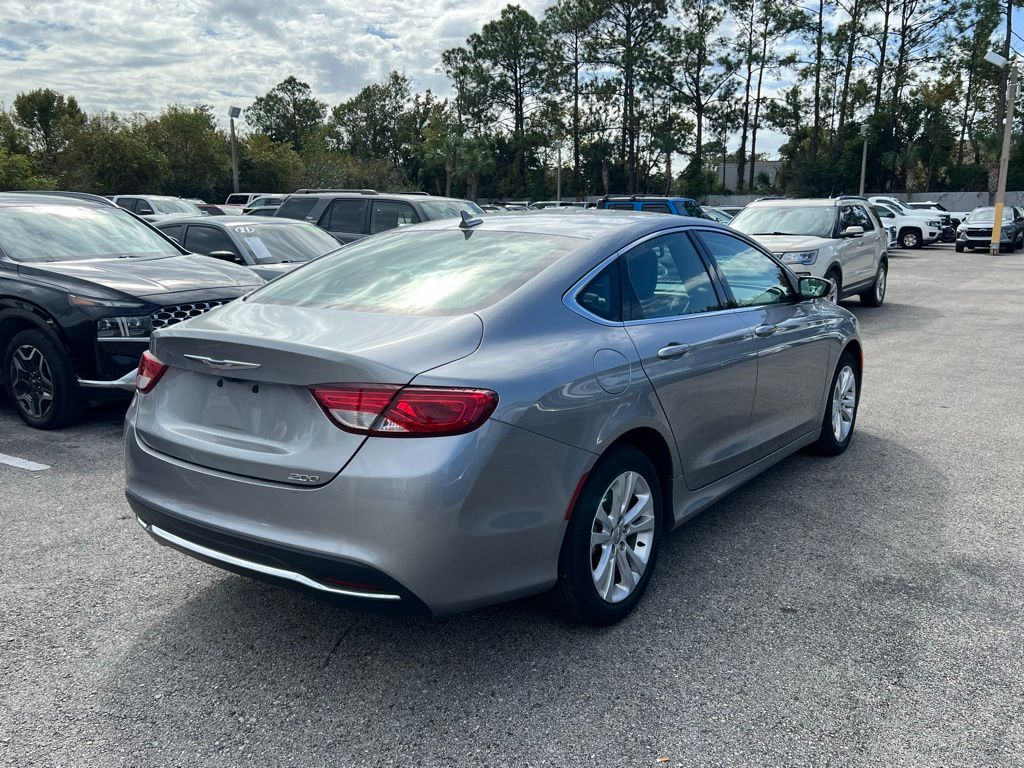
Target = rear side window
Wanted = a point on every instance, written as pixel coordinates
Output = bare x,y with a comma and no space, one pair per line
656,207
297,207
388,214
621,206
237,199
602,296
431,273
128,203
173,230
345,216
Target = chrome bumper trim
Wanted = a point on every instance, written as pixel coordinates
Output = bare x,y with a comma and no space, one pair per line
280,573
126,382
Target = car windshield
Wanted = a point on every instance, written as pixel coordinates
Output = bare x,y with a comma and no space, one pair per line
807,221
175,206
35,233
988,214
448,209
427,273
275,243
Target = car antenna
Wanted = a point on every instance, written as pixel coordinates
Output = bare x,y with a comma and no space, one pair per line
468,222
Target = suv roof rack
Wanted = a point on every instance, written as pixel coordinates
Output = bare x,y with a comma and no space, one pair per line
318,191
637,197
424,194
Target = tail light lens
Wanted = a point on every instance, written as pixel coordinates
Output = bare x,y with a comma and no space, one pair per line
150,371
393,411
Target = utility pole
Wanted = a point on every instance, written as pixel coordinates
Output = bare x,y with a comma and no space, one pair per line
863,157
234,112
1004,156
558,175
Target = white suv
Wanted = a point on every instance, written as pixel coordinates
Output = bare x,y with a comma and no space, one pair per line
839,239
924,229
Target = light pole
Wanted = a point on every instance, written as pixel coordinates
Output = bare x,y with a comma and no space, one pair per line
234,112
1004,157
864,157
558,176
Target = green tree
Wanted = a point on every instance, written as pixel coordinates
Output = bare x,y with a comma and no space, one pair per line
371,125
198,153
266,164
288,112
114,155
50,119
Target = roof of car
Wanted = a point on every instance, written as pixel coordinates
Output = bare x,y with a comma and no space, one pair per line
805,202
369,193
234,220
54,198
583,223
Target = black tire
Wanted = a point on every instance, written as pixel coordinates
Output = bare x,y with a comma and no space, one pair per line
835,276
576,595
875,295
910,238
827,443
33,367
959,247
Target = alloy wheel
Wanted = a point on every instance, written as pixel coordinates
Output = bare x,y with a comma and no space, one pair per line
880,285
31,381
622,537
844,403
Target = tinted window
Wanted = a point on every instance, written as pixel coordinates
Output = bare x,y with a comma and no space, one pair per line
656,207
882,213
206,240
175,206
128,202
410,272
388,214
237,199
693,209
866,220
297,207
667,278
173,230
753,277
346,216
66,233
621,206
602,296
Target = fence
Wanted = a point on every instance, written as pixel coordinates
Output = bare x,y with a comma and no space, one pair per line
951,201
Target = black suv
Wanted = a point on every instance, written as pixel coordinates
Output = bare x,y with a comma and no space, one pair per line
82,285
352,214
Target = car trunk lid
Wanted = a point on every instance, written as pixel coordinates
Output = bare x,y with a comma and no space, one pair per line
236,398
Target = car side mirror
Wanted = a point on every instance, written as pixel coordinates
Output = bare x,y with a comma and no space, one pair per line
814,287
144,211
234,258
854,231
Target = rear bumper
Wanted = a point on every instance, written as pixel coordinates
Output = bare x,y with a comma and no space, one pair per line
447,524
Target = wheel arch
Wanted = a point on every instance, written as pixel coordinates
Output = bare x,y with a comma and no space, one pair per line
655,447
854,347
14,320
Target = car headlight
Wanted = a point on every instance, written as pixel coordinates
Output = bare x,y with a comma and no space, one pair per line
933,223
124,327
799,257
93,301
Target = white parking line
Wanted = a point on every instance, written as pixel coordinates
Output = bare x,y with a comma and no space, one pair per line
14,461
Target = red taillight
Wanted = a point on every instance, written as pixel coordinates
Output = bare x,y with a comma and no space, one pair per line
150,371
393,411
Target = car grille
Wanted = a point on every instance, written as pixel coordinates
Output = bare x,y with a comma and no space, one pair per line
173,315
979,232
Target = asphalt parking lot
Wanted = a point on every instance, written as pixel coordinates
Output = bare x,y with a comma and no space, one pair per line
865,610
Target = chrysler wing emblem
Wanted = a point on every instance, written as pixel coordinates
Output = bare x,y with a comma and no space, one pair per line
223,365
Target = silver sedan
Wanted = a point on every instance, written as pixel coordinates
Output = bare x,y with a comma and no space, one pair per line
459,413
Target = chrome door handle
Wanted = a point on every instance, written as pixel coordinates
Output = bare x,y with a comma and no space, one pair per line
765,330
675,349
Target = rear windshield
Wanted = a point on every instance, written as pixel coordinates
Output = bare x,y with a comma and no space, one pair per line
176,206
430,273
69,233
448,209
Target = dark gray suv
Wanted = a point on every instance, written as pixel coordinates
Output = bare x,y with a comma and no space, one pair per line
351,215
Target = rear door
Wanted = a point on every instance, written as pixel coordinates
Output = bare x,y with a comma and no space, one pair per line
700,356
792,341
345,219
389,214
200,238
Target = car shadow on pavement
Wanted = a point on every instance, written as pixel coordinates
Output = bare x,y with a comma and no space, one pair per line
774,588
